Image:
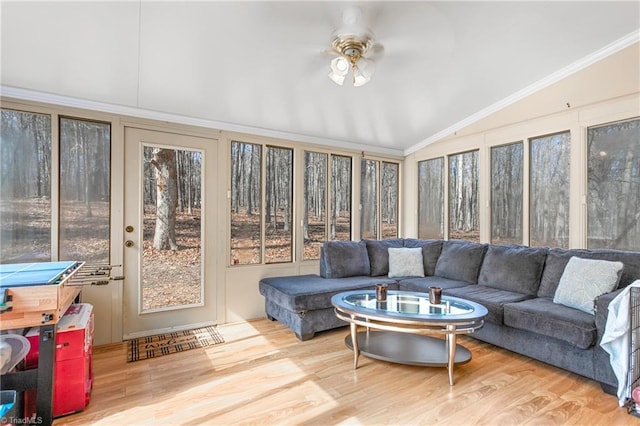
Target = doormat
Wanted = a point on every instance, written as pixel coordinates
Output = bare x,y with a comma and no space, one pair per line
171,343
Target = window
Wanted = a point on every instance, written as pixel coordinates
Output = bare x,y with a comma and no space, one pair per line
549,190
85,177
463,197
247,245
431,199
389,200
340,198
246,193
613,185
26,204
369,199
378,199
315,203
25,187
506,194
278,208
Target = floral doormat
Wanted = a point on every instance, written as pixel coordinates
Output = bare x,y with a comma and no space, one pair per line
170,343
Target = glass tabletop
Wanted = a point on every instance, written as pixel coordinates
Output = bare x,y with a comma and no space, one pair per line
408,303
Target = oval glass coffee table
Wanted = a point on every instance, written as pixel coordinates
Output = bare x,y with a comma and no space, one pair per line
402,328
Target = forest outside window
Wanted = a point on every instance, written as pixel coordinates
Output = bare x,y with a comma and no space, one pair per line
316,222
85,177
279,205
27,206
463,197
506,194
378,199
431,199
25,187
248,218
549,190
613,185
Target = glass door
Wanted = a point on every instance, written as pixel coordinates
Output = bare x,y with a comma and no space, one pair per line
169,231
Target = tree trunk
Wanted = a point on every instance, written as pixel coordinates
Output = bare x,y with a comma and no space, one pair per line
164,161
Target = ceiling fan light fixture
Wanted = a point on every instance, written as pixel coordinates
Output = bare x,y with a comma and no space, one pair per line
351,45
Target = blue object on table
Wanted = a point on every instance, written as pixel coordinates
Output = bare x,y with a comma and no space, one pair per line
34,274
8,399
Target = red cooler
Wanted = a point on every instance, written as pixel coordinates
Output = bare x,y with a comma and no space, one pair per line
73,369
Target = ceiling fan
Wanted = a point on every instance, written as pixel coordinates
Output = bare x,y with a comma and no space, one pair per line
355,50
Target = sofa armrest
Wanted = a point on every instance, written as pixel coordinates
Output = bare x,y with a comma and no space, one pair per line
602,310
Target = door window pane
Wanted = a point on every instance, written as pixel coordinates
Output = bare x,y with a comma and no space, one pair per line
431,199
549,190
246,192
463,197
389,200
172,236
279,200
506,194
340,198
25,187
315,203
369,199
613,176
85,176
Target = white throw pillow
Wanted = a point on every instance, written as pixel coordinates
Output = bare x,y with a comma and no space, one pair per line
405,262
585,279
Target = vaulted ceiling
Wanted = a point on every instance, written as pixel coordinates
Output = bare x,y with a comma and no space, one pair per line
262,66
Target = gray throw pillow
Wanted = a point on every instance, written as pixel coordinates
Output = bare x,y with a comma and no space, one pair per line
405,262
585,279
339,259
378,251
460,260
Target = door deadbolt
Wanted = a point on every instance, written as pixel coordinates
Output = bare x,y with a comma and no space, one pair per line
128,243
129,228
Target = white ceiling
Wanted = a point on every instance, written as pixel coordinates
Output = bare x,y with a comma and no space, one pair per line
260,66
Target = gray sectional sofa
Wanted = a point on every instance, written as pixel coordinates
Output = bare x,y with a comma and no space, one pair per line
517,285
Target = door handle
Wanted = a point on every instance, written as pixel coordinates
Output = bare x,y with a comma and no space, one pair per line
128,243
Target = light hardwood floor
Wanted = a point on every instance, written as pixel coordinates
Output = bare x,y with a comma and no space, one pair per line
263,375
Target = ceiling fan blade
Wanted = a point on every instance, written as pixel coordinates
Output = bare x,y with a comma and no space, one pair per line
375,52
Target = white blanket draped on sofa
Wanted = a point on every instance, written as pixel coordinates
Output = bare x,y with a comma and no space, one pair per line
616,339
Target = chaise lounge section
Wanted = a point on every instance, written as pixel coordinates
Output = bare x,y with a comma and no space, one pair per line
518,285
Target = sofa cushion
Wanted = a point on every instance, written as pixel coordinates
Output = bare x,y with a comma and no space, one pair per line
513,268
544,317
460,260
585,279
339,259
301,293
558,258
378,251
422,284
430,252
491,298
405,262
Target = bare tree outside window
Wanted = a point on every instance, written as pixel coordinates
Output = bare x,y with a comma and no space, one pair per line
369,199
172,228
389,200
315,203
549,190
85,176
463,197
279,205
25,187
506,194
613,192
246,193
431,199
340,198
